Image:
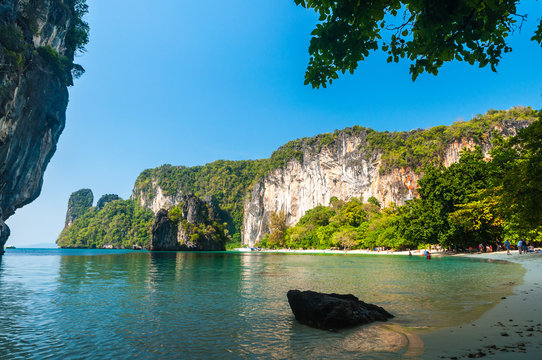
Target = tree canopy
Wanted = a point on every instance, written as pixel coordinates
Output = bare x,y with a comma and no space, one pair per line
428,33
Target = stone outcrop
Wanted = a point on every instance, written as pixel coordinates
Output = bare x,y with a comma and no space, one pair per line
305,173
347,168
33,96
199,228
157,199
333,311
80,201
164,233
191,226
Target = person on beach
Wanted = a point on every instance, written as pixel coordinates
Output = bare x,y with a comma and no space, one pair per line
520,246
524,246
507,245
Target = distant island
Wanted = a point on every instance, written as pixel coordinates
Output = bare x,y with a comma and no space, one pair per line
456,186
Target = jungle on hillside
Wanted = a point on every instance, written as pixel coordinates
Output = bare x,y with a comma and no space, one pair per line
471,202
479,199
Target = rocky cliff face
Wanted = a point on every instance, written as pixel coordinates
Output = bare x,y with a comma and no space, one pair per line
33,95
305,173
192,225
349,167
156,199
164,233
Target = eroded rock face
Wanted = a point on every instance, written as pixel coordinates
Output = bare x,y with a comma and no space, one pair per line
345,170
333,311
164,233
33,97
156,200
199,229
196,227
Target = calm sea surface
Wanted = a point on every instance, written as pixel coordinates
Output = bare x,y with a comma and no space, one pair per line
102,304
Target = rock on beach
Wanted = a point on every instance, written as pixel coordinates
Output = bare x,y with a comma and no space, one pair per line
333,311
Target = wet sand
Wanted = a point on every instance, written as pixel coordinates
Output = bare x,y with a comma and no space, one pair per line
510,330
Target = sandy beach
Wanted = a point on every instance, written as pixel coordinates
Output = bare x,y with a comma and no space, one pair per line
510,330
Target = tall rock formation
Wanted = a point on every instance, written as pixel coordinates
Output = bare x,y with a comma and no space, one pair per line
304,173
80,201
164,233
38,41
348,166
192,225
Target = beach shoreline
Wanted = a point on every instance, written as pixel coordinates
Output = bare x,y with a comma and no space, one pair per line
512,329
420,252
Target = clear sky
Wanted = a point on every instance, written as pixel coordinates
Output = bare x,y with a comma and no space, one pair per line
189,82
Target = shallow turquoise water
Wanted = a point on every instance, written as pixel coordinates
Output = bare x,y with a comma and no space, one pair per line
116,304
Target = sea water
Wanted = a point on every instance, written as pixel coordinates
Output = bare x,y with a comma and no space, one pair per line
107,304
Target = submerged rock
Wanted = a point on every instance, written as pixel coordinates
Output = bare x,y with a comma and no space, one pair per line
333,311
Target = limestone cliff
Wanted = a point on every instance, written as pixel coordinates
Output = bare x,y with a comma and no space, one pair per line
38,41
192,225
164,233
351,166
305,173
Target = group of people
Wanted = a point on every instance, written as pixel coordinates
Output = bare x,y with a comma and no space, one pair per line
523,246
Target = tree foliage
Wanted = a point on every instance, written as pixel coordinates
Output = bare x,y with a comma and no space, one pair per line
78,204
476,200
120,224
428,33
277,229
229,183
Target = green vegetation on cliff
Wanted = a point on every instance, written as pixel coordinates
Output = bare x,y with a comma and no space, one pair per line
448,195
17,32
229,182
471,202
78,204
119,224
225,182
418,148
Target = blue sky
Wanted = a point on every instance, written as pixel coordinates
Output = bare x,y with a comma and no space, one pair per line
189,82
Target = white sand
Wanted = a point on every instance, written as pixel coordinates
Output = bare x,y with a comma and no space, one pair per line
510,330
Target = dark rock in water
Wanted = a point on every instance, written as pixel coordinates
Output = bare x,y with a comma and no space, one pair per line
333,311
4,234
164,233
